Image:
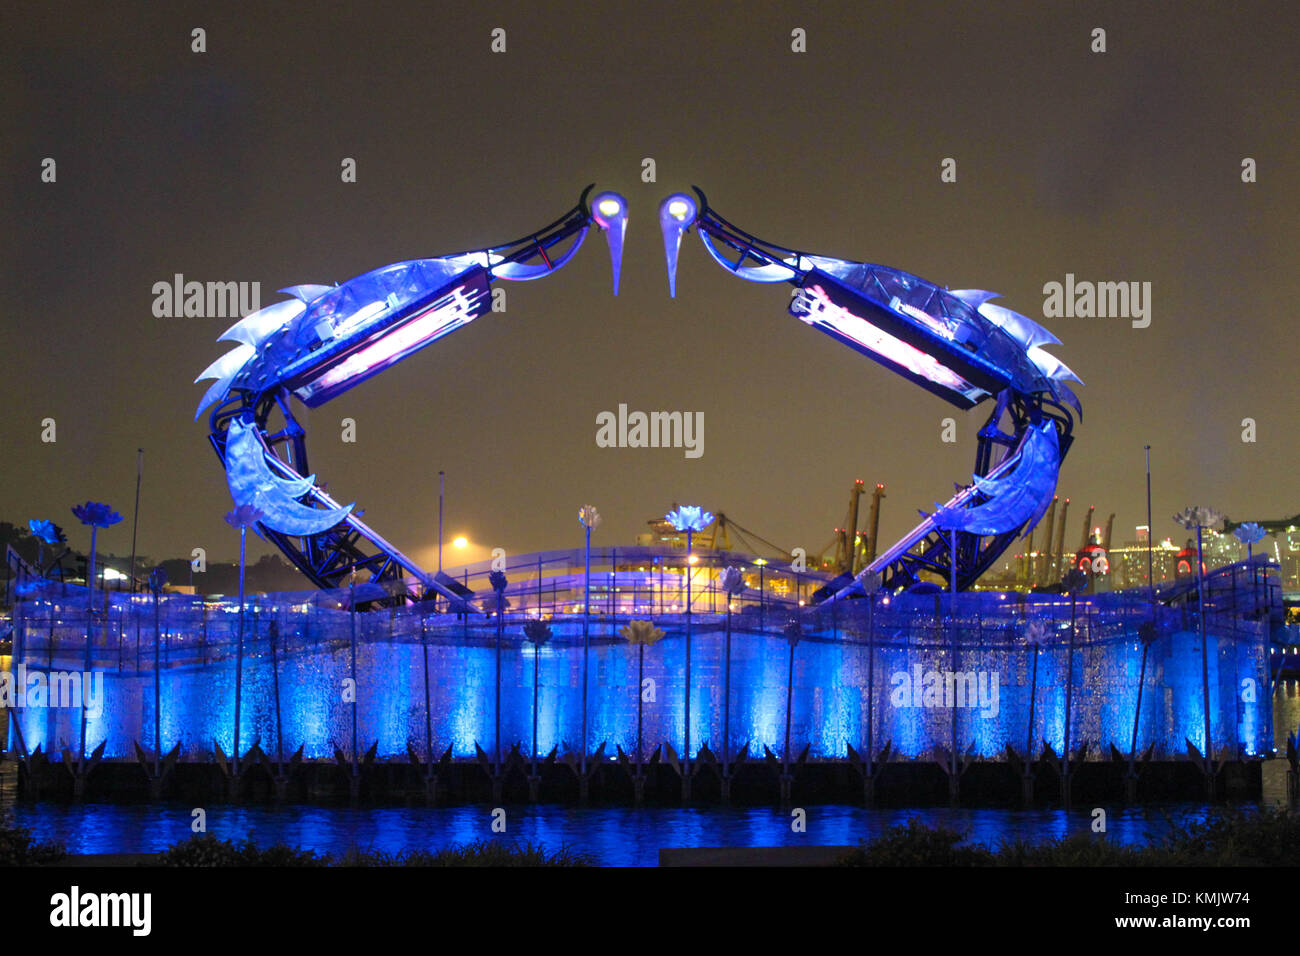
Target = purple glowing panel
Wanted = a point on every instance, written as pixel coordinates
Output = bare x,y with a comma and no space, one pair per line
923,348
380,335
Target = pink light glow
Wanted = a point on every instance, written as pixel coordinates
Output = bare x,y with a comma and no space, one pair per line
820,309
448,313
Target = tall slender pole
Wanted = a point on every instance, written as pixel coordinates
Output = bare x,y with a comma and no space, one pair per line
135,518
157,688
686,757
536,653
1205,655
1250,566
1033,693
792,639
952,619
1151,577
501,599
441,487
1069,694
726,698
871,679
239,648
640,683
135,521
90,617
586,640
1137,711
352,604
428,715
1151,588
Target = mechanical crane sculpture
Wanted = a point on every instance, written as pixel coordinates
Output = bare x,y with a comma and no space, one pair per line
325,340
957,345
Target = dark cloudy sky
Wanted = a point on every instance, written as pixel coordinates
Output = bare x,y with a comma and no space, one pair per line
225,166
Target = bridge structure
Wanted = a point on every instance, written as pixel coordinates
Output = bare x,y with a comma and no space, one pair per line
324,340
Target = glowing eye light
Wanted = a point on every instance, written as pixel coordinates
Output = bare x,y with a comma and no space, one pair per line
609,207
676,216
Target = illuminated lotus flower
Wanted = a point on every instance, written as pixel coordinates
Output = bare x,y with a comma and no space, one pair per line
96,514
498,580
1248,533
589,517
1197,517
640,632
537,631
244,516
51,533
689,518
1036,632
733,581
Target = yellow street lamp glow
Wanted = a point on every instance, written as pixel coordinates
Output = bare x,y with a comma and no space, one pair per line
678,209
460,542
609,207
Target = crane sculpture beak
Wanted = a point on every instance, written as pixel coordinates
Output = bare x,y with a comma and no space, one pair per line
676,215
609,210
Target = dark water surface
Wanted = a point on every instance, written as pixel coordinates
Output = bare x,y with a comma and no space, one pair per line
617,836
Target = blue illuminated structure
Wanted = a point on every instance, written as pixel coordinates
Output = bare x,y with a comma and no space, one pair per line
883,668
326,340
866,670
954,344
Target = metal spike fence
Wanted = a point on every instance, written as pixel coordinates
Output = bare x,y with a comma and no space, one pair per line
930,656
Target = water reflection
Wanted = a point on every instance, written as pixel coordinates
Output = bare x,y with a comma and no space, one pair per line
619,836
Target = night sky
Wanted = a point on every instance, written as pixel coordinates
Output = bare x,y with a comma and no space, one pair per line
1122,166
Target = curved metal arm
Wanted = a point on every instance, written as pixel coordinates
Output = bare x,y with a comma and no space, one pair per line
327,339
529,257
953,344
773,263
